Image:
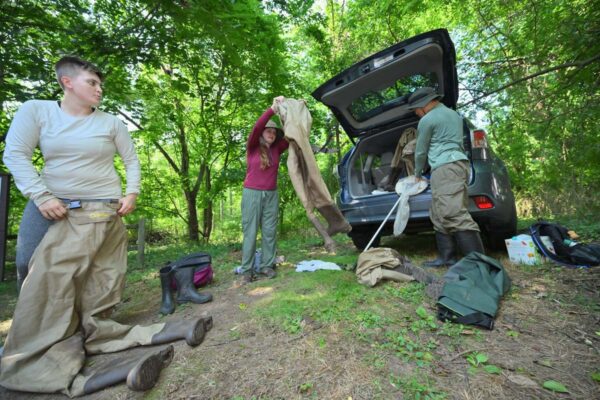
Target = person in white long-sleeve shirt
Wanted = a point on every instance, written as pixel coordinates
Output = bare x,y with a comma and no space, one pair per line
78,143
77,271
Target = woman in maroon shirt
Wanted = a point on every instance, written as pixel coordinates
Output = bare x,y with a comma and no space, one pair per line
260,201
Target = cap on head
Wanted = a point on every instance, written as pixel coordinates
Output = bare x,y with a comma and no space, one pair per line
71,66
421,97
272,124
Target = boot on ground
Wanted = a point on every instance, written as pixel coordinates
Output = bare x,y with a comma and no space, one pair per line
446,248
167,305
469,241
186,291
193,331
140,374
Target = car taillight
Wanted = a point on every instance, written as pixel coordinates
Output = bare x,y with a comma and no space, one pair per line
479,139
483,202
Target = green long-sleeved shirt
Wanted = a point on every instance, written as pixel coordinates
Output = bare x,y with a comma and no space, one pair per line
439,139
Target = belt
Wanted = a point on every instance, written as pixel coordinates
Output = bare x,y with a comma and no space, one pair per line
72,204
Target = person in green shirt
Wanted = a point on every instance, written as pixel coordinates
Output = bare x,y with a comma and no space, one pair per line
440,143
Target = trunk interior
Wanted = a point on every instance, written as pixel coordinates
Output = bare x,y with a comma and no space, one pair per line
381,159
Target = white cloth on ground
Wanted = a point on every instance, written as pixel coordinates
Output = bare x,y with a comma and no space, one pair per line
314,265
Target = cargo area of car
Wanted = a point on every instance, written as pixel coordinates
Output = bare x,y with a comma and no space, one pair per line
371,171
371,166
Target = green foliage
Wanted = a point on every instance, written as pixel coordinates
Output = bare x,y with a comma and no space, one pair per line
409,347
543,125
555,386
478,361
369,320
417,386
413,293
192,77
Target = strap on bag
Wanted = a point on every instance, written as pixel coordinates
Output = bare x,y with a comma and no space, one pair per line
476,318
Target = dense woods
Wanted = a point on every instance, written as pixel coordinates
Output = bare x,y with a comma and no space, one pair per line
190,78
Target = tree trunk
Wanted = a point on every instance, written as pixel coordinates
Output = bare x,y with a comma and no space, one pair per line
192,223
208,210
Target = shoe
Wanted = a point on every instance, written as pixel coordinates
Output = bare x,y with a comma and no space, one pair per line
268,272
245,278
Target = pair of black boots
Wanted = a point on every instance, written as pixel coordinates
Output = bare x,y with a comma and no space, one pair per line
186,291
467,241
141,374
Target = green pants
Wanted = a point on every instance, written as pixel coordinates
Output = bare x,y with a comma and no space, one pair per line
76,275
449,198
259,209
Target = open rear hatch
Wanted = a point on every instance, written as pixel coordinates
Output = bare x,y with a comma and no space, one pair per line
372,95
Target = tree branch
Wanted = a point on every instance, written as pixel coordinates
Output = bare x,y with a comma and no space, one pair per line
154,142
578,64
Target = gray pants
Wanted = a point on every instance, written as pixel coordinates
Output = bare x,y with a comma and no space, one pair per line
32,229
259,210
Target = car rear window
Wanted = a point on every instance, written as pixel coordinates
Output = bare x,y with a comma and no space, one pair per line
378,101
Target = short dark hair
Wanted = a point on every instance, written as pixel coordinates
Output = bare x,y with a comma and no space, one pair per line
71,65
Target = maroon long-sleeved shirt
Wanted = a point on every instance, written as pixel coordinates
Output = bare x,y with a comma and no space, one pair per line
257,178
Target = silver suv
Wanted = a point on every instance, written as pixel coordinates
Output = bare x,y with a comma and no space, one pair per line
369,99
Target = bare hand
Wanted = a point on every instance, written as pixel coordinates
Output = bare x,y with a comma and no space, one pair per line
53,209
420,179
127,204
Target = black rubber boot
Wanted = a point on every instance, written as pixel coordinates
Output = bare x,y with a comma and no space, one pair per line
469,241
193,331
167,305
140,374
446,251
186,291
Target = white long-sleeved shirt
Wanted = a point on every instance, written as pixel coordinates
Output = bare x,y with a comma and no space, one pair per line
78,153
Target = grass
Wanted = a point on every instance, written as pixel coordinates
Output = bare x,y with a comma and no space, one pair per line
417,386
389,318
390,325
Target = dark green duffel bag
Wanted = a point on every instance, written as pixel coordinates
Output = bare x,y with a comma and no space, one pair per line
472,292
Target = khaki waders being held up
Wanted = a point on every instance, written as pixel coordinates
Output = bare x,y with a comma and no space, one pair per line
303,169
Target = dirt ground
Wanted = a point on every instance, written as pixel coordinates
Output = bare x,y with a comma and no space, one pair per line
548,329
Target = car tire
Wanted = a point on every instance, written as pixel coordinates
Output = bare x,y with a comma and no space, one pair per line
362,236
